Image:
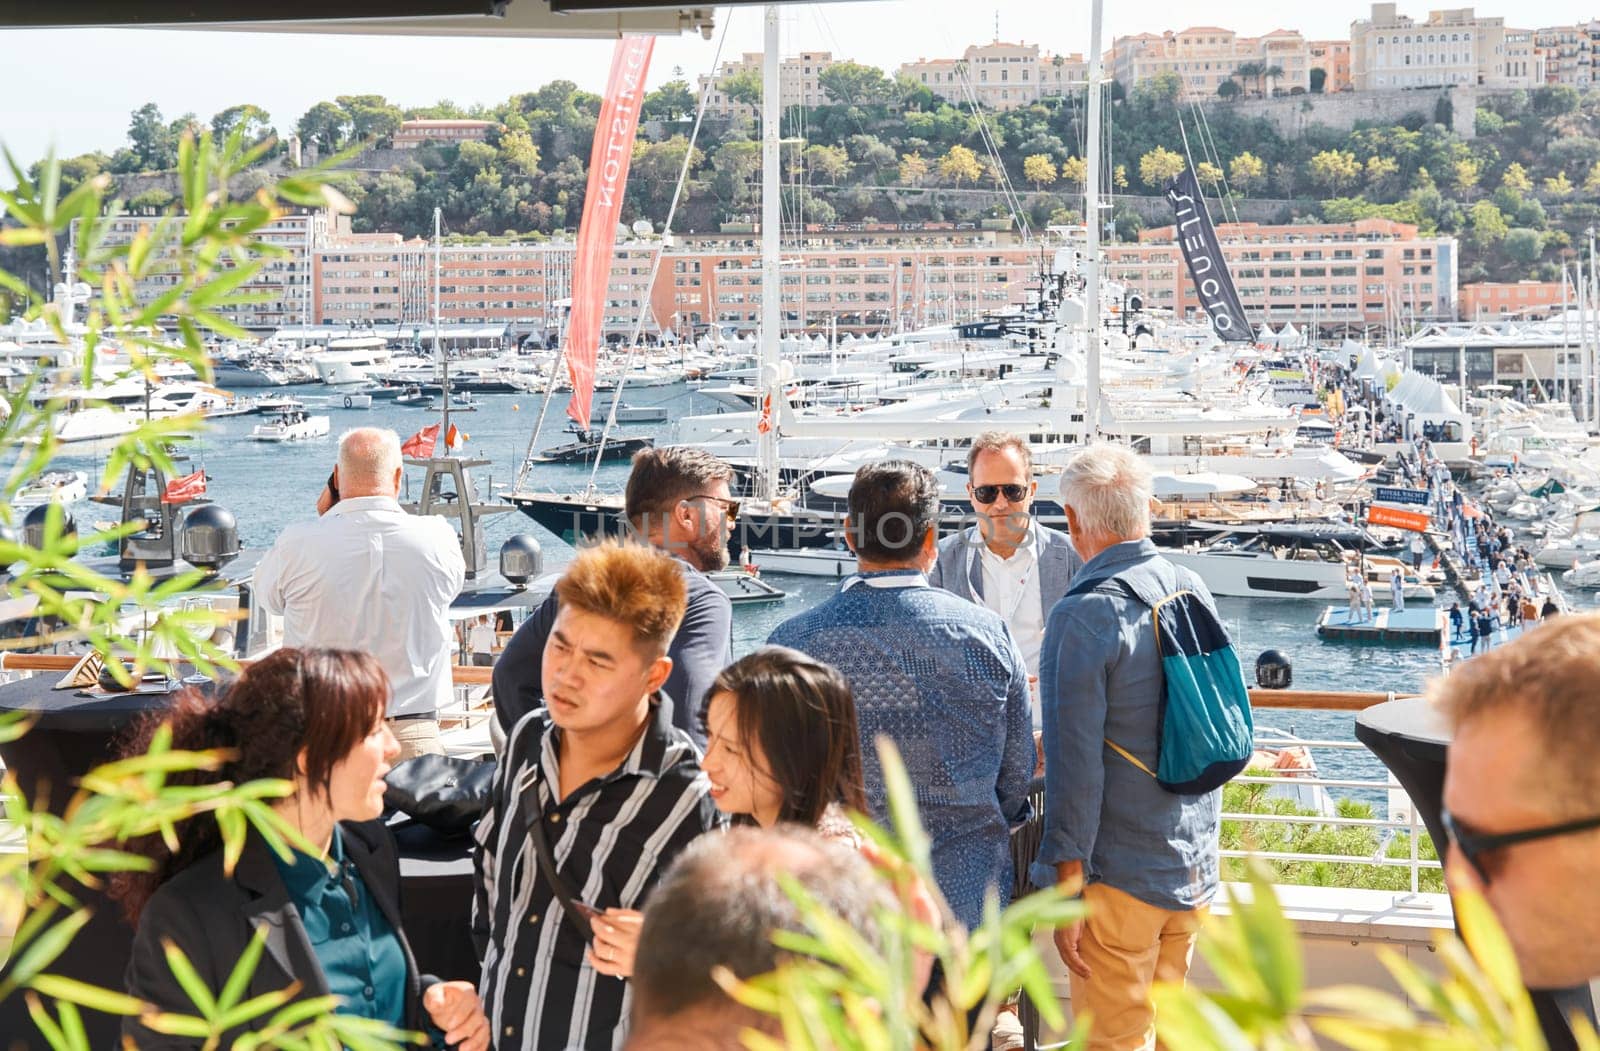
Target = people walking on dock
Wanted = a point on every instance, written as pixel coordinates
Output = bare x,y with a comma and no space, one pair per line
368,576
1352,585
1397,591
1146,858
921,662
677,500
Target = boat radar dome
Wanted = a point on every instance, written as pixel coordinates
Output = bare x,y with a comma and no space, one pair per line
210,537
33,526
521,559
1273,671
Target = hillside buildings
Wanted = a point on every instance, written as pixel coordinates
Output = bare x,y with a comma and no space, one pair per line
415,133
799,82
1205,57
999,75
1453,46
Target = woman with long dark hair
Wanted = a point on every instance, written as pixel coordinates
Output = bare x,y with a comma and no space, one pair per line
314,718
782,742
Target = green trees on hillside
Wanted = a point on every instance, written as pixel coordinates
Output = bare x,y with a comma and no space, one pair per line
875,141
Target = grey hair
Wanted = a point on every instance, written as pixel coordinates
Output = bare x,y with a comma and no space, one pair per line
368,458
999,442
1109,489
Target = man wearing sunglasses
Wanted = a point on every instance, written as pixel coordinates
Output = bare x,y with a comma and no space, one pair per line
1522,796
1006,561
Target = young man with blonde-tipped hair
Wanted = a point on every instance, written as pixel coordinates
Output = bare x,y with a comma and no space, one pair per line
616,792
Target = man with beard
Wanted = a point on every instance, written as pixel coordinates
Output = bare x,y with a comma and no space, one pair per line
677,500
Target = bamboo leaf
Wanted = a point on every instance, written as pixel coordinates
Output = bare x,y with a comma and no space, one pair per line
110,1002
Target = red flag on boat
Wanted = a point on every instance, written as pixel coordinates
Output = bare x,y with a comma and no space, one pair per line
420,445
181,490
452,437
765,423
602,207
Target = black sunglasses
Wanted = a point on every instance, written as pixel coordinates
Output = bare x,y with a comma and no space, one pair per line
1473,845
985,494
731,506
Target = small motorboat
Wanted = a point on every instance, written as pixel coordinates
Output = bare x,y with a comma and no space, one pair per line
358,401
463,402
53,487
291,426
414,398
1584,575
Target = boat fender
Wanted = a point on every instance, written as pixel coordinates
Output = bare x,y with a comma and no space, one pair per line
349,402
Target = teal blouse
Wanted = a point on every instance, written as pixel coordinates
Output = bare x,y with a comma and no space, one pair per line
355,943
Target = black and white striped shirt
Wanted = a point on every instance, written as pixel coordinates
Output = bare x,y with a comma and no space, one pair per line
611,839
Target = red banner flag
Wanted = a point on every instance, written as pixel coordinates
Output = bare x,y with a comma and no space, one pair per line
452,437
1398,518
182,490
602,207
420,445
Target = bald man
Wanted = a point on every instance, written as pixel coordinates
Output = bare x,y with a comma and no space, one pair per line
365,575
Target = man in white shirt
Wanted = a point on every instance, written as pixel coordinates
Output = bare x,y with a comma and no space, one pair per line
480,642
1007,563
368,576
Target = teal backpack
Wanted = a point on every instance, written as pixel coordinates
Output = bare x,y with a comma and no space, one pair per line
1205,734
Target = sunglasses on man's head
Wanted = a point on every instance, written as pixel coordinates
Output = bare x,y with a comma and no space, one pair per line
986,494
1474,845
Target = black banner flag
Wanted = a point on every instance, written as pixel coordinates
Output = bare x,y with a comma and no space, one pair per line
1197,239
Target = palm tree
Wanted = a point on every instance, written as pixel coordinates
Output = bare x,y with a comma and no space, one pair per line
1272,73
1249,71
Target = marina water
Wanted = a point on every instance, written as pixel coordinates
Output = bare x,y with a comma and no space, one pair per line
268,485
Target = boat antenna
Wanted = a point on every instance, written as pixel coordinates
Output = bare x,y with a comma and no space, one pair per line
442,359
1091,226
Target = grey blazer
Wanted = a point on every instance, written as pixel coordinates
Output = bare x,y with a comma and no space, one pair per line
958,572
212,918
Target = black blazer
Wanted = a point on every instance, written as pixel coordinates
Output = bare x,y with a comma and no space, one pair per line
212,918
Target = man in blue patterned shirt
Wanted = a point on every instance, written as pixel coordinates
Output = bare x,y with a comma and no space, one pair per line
938,675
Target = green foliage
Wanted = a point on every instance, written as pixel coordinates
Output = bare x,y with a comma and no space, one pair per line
841,993
1478,1003
854,84
206,245
1335,841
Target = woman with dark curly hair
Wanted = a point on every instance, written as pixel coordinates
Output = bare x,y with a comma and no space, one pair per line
782,743
314,718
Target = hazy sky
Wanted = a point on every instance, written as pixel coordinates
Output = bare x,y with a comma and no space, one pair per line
75,88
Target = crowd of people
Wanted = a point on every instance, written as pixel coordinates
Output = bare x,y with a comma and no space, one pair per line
609,882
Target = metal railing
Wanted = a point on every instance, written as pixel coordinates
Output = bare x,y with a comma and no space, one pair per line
1387,827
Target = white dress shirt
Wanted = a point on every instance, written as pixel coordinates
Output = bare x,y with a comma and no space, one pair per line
481,638
368,576
1011,589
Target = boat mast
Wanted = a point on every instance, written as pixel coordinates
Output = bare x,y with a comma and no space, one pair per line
766,482
440,358
1091,240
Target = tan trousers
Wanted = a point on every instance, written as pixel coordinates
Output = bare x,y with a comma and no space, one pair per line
1128,945
416,737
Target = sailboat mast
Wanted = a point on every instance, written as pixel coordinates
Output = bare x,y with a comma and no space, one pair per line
442,361
766,483
1091,226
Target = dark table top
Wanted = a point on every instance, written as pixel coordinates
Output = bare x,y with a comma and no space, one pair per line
1413,720
78,710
